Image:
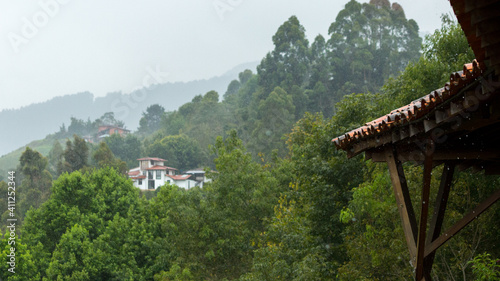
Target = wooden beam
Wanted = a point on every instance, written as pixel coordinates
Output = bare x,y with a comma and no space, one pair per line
403,200
439,210
424,210
462,223
455,155
441,202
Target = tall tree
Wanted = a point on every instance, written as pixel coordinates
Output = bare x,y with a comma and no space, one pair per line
103,157
35,187
181,151
56,159
287,64
368,43
128,148
275,118
151,119
76,154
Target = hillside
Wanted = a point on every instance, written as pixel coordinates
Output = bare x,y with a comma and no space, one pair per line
38,120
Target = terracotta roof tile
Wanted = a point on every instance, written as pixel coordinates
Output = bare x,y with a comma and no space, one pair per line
134,173
179,177
413,111
152,158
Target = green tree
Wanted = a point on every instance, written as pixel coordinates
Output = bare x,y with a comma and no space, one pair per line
56,159
368,43
107,118
76,154
128,148
88,200
23,267
287,64
181,151
240,200
485,268
275,118
67,260
103,157
151,119
35,186
444,52
232,88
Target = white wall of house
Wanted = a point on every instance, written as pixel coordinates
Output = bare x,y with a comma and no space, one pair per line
186,184
140,183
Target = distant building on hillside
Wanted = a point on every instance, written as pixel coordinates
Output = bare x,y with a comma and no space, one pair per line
153,173
105,131
108,130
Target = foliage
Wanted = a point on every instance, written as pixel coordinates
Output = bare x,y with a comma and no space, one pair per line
89,200
485,268
368,43
56,159
23,265
151,119
283,210
76,155
445,52
103,157
180,151
128,148
35,186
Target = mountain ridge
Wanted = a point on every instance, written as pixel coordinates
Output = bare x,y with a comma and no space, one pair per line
37,120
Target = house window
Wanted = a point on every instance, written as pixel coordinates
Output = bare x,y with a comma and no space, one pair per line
168,181
152,163
158,175
140,182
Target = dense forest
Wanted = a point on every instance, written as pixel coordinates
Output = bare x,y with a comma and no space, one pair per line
284,204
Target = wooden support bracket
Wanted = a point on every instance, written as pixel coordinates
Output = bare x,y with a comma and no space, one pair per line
403,200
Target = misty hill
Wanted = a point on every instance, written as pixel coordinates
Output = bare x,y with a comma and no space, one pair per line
37,120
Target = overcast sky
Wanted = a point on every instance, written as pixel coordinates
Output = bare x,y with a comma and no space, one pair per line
52,48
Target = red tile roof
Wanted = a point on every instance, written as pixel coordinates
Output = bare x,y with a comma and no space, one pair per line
134,173
138,177
413,111
152,158
160,168
480,21
179,177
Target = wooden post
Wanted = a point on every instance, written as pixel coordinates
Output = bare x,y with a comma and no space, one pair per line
424,210
403,200
439,211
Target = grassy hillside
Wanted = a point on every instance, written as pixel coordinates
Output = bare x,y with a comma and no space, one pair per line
10,161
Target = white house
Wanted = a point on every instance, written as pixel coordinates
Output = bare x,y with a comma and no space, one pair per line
153,173
199,176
